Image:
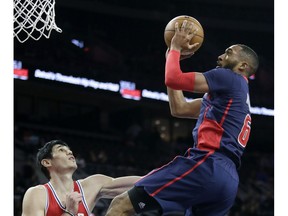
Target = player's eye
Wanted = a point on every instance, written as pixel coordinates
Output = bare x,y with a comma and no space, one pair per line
229,51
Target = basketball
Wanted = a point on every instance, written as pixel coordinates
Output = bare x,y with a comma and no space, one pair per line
170,30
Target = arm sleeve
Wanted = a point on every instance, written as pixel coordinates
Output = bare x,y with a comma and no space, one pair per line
174,77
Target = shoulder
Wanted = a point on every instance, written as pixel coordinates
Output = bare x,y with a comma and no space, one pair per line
38,190
35,194
34,200
218,71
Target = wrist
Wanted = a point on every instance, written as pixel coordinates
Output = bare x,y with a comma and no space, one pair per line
175,48
175,51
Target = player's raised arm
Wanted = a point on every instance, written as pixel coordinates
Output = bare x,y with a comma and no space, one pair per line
174,77
180,108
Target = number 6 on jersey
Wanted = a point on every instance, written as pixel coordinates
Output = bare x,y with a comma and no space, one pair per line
245,131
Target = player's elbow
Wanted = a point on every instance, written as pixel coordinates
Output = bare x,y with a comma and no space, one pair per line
176,112
181,112
171,83
168,81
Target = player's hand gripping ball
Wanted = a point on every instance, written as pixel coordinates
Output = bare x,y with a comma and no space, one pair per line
170,30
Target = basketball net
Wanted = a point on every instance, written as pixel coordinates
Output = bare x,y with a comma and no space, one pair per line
34,18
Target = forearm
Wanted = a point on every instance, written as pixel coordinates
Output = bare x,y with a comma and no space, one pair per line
174,77
118,186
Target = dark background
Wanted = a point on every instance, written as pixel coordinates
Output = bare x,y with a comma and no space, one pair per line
123,40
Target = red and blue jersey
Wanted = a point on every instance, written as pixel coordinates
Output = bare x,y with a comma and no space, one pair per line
205,180
224,122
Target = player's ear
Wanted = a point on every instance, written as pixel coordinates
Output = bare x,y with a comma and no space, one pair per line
243,66
46,162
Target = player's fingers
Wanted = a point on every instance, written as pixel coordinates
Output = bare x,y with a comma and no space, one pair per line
78,199
192,34
76,195
193,46
187,52
195,31
176,27
189,28
183,26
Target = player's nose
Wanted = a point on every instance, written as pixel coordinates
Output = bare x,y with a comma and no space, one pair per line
220,58
69,152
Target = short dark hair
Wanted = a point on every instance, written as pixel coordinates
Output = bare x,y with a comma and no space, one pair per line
46,153
251,57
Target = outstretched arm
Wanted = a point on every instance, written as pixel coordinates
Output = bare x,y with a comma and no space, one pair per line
108,187
117,186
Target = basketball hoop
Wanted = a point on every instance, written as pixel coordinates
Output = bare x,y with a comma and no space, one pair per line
34,18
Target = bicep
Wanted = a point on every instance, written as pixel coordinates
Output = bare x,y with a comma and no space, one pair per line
200,85
34,202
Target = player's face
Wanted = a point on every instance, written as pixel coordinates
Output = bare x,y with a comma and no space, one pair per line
229,59
62,157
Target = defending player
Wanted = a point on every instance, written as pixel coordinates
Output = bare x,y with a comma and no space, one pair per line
205,180
63,196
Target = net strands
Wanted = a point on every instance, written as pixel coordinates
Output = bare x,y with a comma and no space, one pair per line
34,18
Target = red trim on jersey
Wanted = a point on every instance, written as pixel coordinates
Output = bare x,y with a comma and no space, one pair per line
209,134
183,175
155,170
174,78
245,78
210,131
226,111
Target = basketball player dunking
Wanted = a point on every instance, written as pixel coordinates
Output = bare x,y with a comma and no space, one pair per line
204,181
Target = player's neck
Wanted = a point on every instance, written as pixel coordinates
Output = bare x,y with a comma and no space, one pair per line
62,183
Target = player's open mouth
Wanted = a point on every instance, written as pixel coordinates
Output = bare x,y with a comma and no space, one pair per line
218,64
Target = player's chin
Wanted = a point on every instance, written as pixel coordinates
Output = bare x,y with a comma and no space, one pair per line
75,167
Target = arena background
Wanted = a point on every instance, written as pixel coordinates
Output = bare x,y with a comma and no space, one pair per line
126,131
